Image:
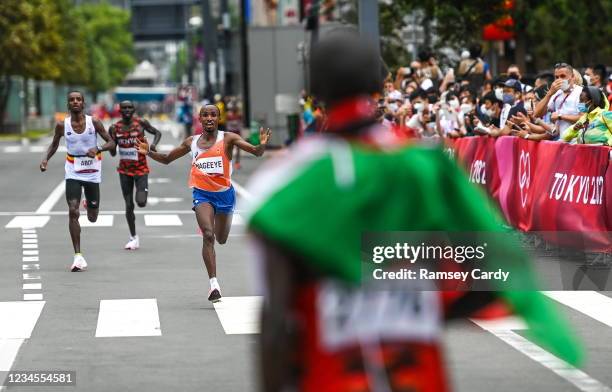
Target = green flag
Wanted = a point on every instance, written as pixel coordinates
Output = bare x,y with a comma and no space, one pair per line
319,199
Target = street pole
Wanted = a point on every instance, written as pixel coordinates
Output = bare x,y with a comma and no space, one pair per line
368,21
244,60
209,40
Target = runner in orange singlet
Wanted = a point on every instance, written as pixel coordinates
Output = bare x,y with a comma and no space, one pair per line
210,178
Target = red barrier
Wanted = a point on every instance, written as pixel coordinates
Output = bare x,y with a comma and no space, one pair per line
546,186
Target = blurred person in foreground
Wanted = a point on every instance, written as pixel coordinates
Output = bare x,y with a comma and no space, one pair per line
324,326
595,124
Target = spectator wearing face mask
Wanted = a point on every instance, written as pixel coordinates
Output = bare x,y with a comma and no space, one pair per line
561,100
449,118
490,110
513,104
595,124
422,125
595,76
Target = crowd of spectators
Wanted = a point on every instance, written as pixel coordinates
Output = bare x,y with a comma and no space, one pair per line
425,101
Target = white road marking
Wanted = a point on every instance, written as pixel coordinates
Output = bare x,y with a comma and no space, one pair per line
165,147
29,246
29,259
128,317
32,297
163,220
103,221
239,315
29,240
31,277
502,330
18,319
30,252
32,286
156,200
47,205
241,191
27,235
30,267
8,352
591,303
27,222
160,180
37,149
12,149
237,220
28,231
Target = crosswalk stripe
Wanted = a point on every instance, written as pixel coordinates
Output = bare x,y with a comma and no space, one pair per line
102,221
29,259
128,317
30,252
239,315
18,319
28,222
32,297
591,303
163,220
32,286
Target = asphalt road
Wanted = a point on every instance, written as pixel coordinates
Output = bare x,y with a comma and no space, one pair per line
190,349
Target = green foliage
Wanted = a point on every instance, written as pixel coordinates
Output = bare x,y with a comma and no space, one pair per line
179,65
110,43
30,39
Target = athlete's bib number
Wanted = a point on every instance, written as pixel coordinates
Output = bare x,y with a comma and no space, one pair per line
356,315
86,164
128,153
210,165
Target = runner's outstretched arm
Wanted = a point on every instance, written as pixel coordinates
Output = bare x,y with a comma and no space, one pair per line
183,149
110,143
111,131
57,135
146,125
264,136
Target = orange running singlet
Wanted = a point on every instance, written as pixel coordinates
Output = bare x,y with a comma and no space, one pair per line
211,169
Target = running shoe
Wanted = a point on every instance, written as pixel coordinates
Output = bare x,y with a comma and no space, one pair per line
214,295
133,243
79,263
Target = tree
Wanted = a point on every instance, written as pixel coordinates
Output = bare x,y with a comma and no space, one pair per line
30,41
110,43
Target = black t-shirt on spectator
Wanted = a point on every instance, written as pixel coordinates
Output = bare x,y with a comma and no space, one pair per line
519,107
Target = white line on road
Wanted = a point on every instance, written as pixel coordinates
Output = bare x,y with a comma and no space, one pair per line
30,267
27,235
18,319
160,180
163,220
239,315
156,200
241,191
29,240
502,330
28,231
31,277
30,252
29,259
32,297
595,305
32,286
28,222
53,197
102,221
128,317
29,246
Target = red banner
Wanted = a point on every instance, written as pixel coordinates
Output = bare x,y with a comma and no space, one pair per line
546,186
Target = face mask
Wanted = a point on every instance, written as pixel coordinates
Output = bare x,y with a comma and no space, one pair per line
499,94
583,107
418,106
466,108
508,98
565,85
587,79
483,109
490,113
393,107
454,103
